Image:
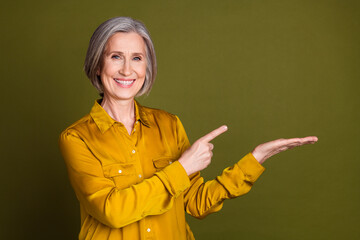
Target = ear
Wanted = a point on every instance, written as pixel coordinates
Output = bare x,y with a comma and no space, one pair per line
98,71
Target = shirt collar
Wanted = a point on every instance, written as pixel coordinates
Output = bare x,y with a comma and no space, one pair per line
140,114
104,121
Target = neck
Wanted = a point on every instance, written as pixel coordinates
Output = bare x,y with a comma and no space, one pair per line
120,110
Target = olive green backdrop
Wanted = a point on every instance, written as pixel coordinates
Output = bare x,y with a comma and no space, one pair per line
267,69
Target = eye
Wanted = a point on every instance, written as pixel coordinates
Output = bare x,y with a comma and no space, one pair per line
137,58
115,57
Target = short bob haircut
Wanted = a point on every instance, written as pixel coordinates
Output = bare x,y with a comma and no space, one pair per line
97,46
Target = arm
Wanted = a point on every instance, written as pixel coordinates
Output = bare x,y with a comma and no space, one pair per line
202,198
103,200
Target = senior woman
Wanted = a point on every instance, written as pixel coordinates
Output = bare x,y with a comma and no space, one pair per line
132,168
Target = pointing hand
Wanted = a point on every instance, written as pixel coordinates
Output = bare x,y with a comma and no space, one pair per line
198,156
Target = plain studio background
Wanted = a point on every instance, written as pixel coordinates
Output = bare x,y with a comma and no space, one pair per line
267,69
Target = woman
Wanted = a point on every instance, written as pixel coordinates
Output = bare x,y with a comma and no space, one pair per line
132,167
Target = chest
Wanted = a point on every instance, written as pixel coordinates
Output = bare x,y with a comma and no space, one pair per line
129,159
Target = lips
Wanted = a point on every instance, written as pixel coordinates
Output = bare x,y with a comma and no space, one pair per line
125,83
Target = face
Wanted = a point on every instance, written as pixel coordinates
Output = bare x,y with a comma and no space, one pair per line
124,66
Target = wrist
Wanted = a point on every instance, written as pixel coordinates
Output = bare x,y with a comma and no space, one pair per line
183,164
258,156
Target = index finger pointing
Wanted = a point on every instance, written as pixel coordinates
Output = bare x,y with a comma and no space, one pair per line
213,134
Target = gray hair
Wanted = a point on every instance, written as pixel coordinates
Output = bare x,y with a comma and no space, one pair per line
100,37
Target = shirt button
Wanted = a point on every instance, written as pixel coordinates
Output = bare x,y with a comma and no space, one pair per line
120,171
148,230
133,151
140,176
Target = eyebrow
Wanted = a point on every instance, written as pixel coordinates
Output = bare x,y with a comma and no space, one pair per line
121,53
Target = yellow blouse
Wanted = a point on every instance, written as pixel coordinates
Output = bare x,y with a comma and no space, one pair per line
132,186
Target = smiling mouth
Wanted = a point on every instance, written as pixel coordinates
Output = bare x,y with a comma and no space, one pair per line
125,82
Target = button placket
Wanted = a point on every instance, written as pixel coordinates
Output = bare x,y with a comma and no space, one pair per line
134,128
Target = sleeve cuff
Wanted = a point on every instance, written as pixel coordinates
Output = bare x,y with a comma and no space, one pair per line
174,178
251,168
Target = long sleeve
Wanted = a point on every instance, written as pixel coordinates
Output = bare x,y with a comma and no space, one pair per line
112,206
203,198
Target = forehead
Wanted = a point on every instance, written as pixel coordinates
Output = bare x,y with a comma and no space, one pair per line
126,42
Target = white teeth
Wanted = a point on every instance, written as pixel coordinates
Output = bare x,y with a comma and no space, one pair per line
125,82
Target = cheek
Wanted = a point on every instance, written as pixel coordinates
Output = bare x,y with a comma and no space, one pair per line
106,75
142,71
108,68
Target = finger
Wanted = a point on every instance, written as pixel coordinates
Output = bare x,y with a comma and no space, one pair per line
211,146
301,141
310,139
306,140
213,134
295,142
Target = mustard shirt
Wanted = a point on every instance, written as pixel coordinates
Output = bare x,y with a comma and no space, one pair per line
132,186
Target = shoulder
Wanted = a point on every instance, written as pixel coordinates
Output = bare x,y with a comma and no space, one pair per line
77,127
158,116
158,112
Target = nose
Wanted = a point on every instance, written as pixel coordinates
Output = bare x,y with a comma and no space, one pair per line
125,69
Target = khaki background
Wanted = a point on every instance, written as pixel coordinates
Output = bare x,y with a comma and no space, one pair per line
268,69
